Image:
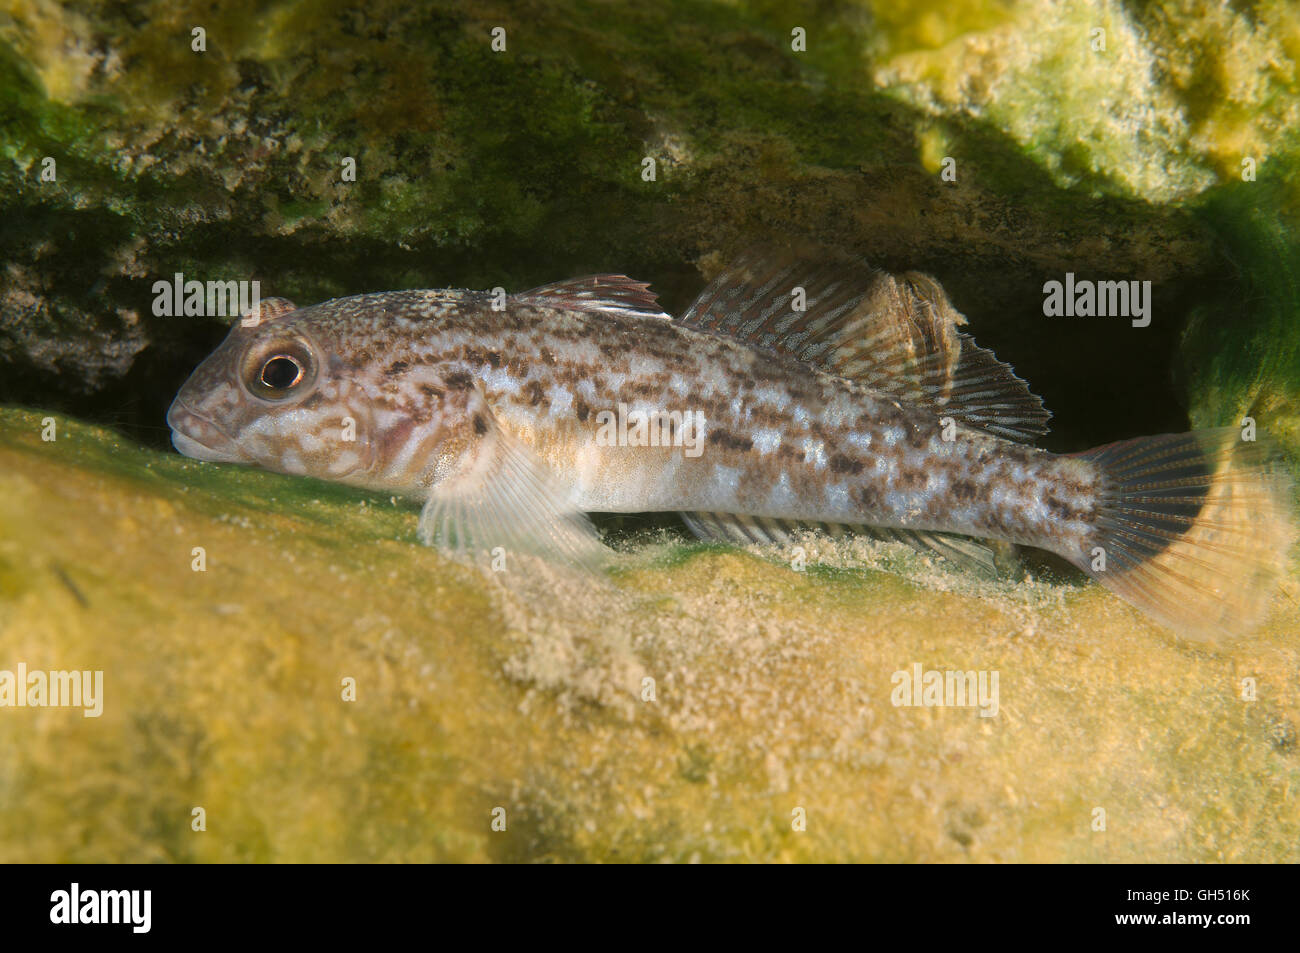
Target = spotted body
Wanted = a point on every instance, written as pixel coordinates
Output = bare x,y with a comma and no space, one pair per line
865,408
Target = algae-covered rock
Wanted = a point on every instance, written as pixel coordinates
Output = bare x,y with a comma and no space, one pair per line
710,704
1240,358
478,167
1188,104
1159,101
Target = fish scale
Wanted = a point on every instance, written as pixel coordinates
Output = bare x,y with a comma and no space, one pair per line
865,407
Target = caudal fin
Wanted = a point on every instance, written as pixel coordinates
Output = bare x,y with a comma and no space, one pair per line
1193,529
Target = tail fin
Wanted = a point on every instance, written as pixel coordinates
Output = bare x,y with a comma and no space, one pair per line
1194,529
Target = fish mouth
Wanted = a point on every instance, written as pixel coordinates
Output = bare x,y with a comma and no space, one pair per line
199,438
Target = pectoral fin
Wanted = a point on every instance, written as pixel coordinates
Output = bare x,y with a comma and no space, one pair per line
492,499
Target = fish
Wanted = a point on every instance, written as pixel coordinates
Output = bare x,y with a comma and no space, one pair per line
793,395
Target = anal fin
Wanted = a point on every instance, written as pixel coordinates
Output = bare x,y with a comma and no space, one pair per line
744,530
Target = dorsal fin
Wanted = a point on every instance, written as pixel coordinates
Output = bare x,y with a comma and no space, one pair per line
896,335
268,309
606,293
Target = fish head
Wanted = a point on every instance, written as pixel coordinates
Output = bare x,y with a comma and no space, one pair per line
274,394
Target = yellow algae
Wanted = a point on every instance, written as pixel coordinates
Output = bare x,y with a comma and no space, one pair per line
933,148
770,693
931,24
54,38
1158,102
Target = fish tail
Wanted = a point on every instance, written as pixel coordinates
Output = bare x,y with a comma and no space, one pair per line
1194,529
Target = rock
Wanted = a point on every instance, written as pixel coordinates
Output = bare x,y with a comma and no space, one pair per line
771,694
1240,355
1167,156
479,169
1158,104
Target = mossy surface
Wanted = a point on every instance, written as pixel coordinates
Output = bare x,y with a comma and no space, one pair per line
478,169
223,690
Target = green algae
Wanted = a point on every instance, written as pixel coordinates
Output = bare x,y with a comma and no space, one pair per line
1183,104
479,169
772,693
1160,101
526,693
1240,354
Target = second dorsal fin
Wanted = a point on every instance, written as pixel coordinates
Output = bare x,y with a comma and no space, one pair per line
896,335
605,293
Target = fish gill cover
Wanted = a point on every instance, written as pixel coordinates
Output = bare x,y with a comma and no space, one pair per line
289,675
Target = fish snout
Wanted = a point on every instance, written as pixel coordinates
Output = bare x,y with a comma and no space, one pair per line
199,438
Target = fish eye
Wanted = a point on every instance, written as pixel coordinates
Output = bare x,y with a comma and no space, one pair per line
284,369
281,372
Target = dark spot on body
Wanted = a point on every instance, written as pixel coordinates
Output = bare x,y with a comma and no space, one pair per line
480,425
640,390
459,380
764,373
842,464
431,392
964,491
396,368
870,499
730,441
911,480
1062,511
535,392
582,409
